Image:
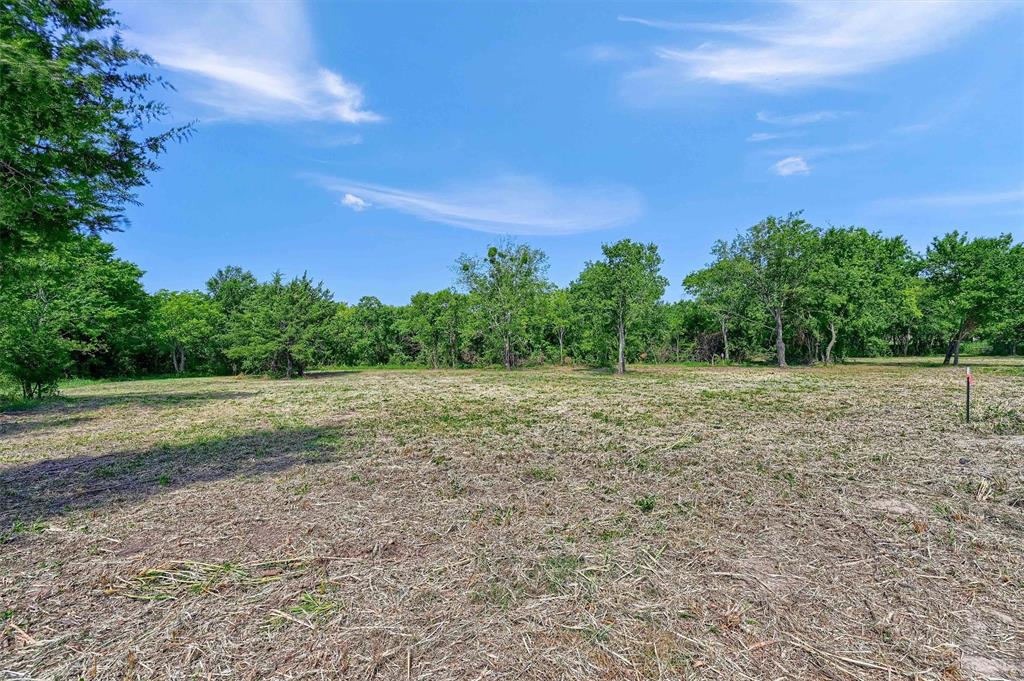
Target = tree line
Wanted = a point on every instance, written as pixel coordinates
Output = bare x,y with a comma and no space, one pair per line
782,291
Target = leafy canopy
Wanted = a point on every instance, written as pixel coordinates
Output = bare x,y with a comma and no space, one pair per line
505,289
73,111
621,291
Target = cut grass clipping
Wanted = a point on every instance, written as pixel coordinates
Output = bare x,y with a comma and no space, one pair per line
673,523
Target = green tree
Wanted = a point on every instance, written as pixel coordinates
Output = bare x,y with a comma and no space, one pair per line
435,322
772,260
230,287
282,327
904,313
33,351
77,304
560,317
505,289
858,283
719,288
342,336
679,330
452,320
73,106
95,299
423,322
973,277
187,325
1008,329
373,324
622,290
651,331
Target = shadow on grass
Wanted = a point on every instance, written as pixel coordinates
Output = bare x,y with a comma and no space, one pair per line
314,375
49,487
9,426
983,361
592,371
70,404
916,362
642,367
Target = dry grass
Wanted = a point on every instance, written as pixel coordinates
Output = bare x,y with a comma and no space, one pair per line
834,523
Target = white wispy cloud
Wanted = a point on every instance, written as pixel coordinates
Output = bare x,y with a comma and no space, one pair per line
956,199
913,128
769,136
250,61
509,204
344,140
944,115
354,202
796,161
791,165
603,53
815,42
825,150
805,118
659,23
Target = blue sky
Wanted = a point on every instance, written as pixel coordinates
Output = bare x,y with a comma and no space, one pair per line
371,143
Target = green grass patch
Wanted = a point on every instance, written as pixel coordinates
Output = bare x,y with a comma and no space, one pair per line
181,578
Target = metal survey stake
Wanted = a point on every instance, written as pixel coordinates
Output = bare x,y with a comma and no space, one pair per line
970,382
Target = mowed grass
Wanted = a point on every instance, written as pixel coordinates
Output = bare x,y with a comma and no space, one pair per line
677,522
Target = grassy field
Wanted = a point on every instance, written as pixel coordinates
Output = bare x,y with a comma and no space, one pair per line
678,522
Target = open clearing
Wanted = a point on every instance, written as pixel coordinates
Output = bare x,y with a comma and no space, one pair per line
722,523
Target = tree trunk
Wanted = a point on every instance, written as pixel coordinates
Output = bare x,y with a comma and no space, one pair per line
831,343
561,347
508,353
780,345
620,368
725,339
905,342
953,350
288,371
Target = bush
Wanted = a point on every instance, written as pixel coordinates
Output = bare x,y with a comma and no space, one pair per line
32,351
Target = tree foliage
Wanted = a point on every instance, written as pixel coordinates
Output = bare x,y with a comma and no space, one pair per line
771,260
435,321
187,326
73,107
74,309
96,300
858,281
33,351
620,292
505,294
975,279
280,328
